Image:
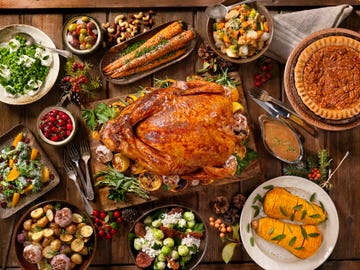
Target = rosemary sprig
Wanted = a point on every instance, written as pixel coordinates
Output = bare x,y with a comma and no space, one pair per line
120,185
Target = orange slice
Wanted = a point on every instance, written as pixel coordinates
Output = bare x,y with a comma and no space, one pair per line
149,181
120,162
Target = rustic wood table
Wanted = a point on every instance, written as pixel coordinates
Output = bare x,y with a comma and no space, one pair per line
50,16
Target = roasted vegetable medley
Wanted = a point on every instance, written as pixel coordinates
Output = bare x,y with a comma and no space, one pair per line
56,236
242,33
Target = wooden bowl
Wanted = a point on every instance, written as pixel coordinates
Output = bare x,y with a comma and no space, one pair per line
290,88
91,241
196,258
263,11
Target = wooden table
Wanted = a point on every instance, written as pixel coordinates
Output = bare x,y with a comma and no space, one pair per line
49,16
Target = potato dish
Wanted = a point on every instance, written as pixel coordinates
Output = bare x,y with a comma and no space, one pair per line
242,33
54,237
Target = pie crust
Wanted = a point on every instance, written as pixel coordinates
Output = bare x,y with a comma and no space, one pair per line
327,77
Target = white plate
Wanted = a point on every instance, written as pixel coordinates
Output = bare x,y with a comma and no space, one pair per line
7,33
271,256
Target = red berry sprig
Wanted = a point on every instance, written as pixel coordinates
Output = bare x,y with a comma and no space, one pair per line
107,223
265,74
314,174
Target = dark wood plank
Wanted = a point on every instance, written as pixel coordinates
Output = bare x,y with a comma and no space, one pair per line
55,4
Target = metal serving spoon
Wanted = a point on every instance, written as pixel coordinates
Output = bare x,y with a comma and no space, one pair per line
31,41
218,11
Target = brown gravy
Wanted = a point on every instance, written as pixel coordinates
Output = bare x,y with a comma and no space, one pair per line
281,140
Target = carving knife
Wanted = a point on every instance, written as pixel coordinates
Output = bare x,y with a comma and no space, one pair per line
278,112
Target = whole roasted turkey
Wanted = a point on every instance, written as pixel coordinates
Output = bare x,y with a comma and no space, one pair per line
187,129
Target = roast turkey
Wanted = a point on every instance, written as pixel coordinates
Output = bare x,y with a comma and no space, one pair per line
187,129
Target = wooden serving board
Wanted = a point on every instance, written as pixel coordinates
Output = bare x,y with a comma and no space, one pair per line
252,171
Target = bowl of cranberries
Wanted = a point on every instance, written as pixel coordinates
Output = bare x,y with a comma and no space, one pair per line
56,125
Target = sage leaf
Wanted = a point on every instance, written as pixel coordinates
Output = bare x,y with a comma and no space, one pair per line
303,214
297,207
257,210
315,216
257,198
271,230
322,206
282,210
299,248
292,241
303,232
312,197
248,226
228,252
278,237
313,235
268,187
252,241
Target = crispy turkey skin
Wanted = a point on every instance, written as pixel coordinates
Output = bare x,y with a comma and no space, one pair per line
176,130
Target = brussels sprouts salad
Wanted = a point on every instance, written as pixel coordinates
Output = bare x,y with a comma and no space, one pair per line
23,67
167,239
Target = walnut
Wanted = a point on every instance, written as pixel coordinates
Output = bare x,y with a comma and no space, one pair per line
221,205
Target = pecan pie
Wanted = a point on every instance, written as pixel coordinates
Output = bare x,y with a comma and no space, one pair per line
327,77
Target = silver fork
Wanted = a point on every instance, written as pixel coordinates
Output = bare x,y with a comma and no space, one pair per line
75,157
85,156
71,172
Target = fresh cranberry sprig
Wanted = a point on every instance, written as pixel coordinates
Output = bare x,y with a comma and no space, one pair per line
265,74
107,223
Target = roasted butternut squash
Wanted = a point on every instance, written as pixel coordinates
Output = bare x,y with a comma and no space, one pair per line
301,240
279,203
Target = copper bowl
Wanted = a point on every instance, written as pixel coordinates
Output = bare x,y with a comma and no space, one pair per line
263,11
19,247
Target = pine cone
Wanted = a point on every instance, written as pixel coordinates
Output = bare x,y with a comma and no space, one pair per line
232,216
130,215
238,201
221,205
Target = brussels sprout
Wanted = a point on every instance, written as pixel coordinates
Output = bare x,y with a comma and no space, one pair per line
148,220
191,224
137,243
160,265
156,223
189,216
174,255
158,234
165,250
169,242
183,250
161,257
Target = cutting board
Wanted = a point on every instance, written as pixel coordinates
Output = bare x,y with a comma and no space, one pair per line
252,171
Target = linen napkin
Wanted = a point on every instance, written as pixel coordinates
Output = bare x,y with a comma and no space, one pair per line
291,28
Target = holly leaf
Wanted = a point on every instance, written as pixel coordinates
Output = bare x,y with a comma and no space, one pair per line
228,252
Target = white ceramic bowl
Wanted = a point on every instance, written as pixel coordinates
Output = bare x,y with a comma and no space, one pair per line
56,126
83,40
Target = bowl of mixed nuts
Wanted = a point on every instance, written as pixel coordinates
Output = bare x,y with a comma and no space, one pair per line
82,34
